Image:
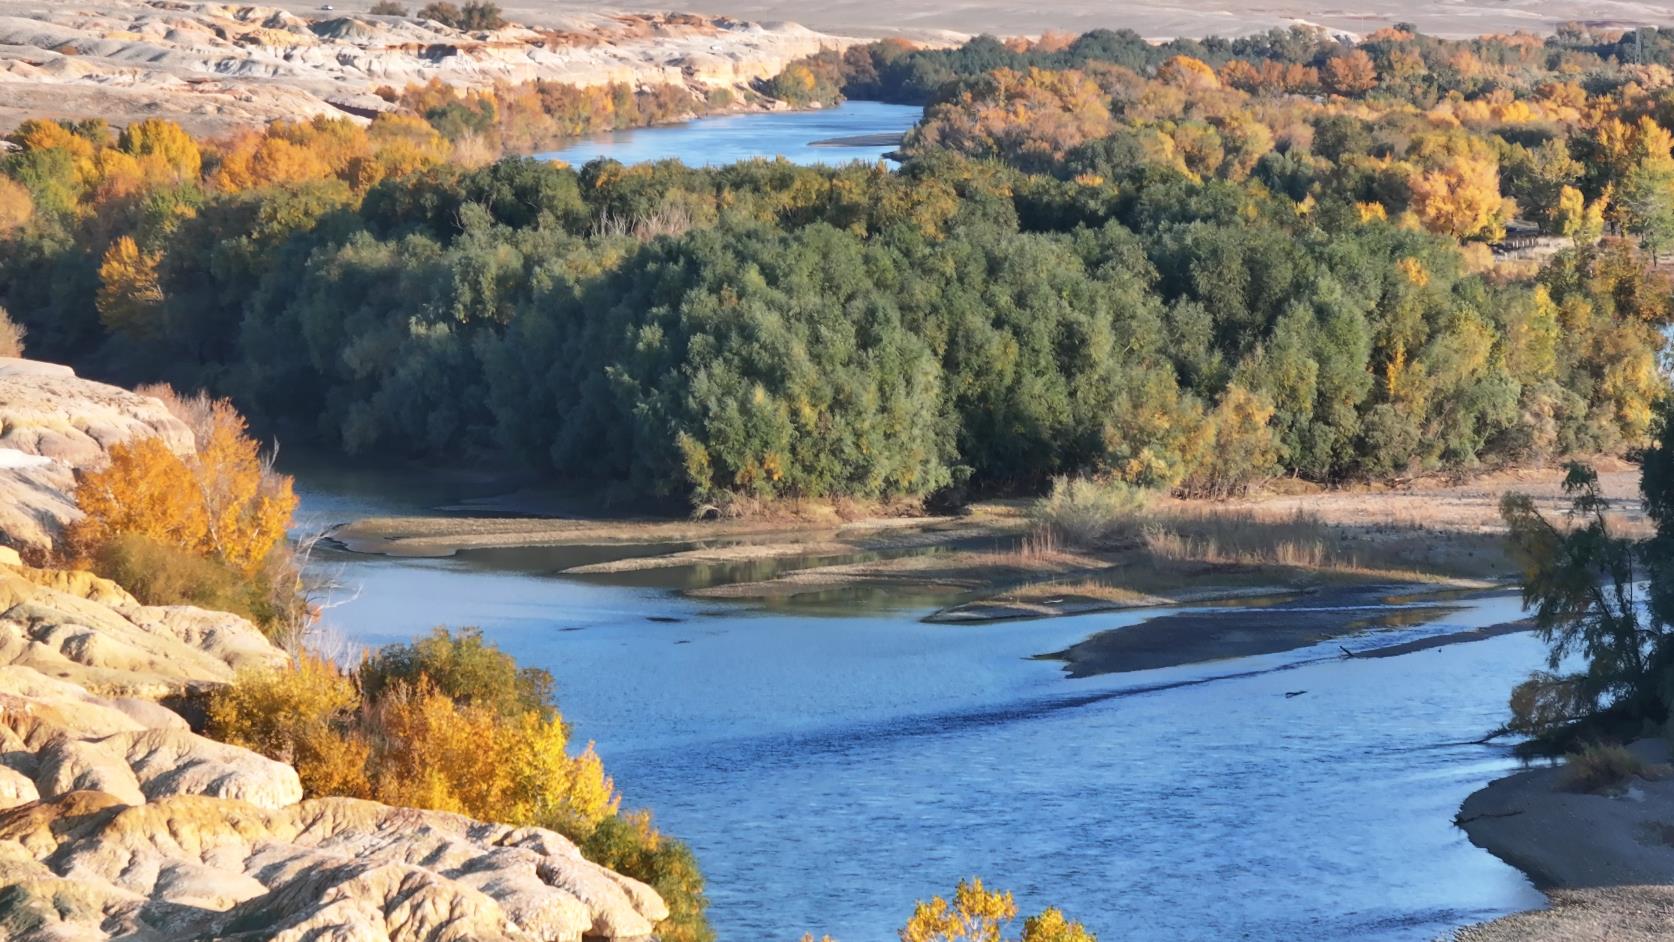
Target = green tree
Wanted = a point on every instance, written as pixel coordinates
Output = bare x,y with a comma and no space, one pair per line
1583,582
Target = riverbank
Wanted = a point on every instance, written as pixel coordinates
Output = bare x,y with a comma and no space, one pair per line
1607,859
992,564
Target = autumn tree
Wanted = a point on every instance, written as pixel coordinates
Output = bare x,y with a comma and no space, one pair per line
1454,186
977,914
1350,74
1187,72
1646,201
16,205
129,294
164,145
220,502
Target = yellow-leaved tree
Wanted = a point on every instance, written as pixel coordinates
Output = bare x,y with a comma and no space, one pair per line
221,502
977,914
129,294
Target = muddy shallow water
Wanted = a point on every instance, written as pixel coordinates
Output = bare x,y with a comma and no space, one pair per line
832,763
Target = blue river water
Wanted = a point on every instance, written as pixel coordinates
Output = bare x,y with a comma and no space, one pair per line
731,138
829,770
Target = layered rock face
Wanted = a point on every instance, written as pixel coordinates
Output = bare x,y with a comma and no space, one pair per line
214,67
117,821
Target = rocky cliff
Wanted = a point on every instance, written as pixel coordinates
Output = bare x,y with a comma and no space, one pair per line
215,67
118,821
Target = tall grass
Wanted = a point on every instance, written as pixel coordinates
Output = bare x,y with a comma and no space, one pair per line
1301,539
1600,768
1087,512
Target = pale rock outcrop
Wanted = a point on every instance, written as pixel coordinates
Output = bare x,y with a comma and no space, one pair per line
331,868
53,423
78,627
119,822
215,67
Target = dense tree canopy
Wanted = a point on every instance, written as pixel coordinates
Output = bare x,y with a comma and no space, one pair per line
1192,266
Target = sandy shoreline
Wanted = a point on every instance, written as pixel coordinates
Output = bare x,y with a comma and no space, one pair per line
1607,861
1196,636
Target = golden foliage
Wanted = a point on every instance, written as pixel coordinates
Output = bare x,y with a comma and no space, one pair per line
1350,73
414,745
220,503
1234,446
292,714
975,915
129,295
981,915
1187,72
164,147
1036,116
16,205
12,335
1453,185
441,754
1052,926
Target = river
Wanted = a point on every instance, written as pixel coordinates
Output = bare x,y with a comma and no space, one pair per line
730,138
832,765
829,770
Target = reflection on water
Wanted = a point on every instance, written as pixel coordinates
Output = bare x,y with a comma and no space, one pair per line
829,771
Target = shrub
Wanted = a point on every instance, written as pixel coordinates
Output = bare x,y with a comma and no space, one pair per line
223,502
12,335
631,845
150,513
465,668
1088,511
387,8
435,752
297,714
159,574
1599,768
452,724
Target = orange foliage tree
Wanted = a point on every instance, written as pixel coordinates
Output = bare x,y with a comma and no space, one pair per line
221,502
1351,73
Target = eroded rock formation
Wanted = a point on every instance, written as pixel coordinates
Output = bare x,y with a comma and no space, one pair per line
214,67
118,821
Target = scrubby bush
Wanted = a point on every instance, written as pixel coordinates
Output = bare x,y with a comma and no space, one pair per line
1600,768
158,573
207,528
221,502
629,843
1088,512
461,666
299,714
451,723
12,335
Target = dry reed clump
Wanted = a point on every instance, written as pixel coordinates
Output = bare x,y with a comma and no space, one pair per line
12,335
1087,512
1600,768
1301,539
